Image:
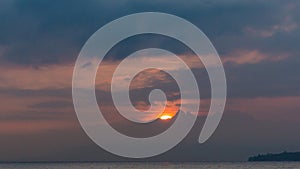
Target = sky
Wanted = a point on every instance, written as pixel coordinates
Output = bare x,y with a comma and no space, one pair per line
257,42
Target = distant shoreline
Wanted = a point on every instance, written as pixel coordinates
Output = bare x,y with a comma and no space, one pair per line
284,156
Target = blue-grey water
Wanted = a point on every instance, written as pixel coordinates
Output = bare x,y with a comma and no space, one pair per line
151,165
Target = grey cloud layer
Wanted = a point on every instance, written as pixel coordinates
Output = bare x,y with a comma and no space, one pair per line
50,32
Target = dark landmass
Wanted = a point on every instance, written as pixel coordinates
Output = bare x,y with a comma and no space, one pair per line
284,156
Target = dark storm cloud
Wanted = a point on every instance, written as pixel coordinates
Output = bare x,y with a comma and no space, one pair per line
37,32
132,44
49,32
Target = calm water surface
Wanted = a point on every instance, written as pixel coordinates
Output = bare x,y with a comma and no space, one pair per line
225,165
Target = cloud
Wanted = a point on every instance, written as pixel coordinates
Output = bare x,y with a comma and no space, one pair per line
273,30
251,57
266,108
33,126
35,111
27,77
54,33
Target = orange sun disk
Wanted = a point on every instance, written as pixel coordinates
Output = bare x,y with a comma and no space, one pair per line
165,117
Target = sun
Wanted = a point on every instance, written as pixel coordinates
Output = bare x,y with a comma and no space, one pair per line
165,117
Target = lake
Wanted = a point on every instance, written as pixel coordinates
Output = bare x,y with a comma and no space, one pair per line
150,165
